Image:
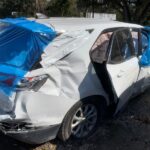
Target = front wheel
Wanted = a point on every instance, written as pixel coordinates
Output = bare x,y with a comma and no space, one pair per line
81,121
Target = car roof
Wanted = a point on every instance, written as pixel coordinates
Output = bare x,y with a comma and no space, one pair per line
70,24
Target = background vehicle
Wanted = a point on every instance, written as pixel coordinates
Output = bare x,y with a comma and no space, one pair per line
68,92
41,16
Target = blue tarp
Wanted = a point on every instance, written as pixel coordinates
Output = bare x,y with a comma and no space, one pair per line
145,59
21,45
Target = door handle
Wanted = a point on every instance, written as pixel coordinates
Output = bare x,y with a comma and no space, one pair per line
120,74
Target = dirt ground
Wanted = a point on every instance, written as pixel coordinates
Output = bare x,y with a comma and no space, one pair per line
130,130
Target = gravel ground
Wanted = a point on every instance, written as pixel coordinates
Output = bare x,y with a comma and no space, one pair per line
130,130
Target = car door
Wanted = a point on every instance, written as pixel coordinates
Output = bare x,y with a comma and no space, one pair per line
122,65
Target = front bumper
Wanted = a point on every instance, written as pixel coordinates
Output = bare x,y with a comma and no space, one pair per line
34,136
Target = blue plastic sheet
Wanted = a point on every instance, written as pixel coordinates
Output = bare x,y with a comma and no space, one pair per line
145,59
21,45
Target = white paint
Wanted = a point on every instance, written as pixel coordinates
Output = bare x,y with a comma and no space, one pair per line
72,77
123,77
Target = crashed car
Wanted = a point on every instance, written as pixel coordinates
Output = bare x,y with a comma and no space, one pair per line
62,77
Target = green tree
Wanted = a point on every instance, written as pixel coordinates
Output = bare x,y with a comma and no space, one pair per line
83,6
25,7
41,6
136,11
93,6
62,8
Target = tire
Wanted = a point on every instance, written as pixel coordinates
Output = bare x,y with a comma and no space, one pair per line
82,119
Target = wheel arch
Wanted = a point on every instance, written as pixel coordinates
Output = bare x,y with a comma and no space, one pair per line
98,100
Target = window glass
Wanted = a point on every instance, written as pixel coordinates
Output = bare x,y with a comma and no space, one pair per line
135,39
144,41
122,46
100,47
116,53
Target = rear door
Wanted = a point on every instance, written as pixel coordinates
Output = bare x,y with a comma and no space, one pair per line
123,65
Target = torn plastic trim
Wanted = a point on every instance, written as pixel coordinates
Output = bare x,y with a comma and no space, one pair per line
21,124
28,133
15,126
35,135
31,82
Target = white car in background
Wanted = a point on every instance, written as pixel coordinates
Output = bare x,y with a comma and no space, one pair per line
40,16
90,69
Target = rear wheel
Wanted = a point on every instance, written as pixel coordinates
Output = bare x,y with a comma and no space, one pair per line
81,121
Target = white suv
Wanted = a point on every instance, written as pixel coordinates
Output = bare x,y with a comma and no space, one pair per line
91,68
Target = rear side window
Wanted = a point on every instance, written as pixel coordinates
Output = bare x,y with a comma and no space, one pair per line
122,46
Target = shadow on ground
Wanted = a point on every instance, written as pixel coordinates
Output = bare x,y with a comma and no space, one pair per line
129,131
